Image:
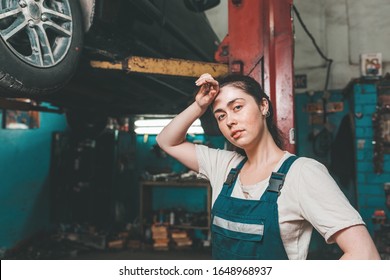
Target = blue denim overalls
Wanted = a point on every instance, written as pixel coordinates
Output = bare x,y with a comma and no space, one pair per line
248,229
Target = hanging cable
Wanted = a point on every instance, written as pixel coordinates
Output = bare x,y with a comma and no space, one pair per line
316,46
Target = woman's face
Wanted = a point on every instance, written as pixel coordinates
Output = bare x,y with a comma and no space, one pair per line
240,119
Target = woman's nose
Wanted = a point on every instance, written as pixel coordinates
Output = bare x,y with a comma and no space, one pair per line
231,120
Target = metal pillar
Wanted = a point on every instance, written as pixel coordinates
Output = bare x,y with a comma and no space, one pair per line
260,44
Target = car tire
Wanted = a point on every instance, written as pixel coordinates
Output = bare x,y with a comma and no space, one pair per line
46,69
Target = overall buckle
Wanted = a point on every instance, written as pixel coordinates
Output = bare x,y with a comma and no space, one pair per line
276,182
231,177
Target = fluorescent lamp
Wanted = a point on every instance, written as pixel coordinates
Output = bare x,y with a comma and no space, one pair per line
148,130
158,122
154,126
151,122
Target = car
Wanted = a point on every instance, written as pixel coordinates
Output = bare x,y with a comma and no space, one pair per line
46,47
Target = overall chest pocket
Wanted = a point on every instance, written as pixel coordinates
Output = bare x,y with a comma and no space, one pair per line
237,238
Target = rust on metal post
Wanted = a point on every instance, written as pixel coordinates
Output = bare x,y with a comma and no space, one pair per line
278,64
245,39
261,39
170,67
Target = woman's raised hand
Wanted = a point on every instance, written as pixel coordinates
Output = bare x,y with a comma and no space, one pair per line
209,89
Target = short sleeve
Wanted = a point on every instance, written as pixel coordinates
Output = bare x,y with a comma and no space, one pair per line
322,202
215,164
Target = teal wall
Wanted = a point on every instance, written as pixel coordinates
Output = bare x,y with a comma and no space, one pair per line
24,174
371,195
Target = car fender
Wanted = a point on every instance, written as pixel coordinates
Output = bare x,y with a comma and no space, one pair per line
88,11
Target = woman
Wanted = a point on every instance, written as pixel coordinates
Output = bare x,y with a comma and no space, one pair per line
265,203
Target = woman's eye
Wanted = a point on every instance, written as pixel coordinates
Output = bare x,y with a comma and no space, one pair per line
220,117
237,107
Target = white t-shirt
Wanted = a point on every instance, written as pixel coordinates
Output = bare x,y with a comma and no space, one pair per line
309,198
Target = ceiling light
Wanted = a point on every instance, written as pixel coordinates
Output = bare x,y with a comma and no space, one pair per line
154,126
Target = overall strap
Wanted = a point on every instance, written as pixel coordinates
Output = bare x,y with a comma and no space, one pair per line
232,178
277,178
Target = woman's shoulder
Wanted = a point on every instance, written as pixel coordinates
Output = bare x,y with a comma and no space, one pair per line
217,153
211,158
308,174
302,161
305,167
215,164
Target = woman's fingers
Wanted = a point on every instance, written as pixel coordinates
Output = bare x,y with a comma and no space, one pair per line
204,81
209,89
205,87
208,85
205,78
202,77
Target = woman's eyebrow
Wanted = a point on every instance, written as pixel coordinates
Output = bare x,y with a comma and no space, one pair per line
218,111
228,104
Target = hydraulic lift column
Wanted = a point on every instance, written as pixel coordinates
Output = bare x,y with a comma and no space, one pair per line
260,44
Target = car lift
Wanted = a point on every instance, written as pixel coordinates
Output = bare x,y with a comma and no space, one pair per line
171,67
259,44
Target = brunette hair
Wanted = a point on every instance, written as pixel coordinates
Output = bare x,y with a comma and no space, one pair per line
253,88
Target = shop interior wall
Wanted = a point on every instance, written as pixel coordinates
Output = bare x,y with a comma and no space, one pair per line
24,175
343,29
370,183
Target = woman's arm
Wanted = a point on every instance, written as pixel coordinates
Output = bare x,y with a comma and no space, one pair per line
172,138
356,243
324,205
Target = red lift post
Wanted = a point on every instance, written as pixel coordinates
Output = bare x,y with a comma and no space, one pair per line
260,44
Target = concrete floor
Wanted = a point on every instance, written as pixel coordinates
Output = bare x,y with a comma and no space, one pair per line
172,254
49,249
149,254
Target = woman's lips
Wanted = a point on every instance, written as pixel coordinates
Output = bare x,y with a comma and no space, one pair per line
236,134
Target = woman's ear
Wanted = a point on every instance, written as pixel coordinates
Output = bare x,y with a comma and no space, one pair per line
264,107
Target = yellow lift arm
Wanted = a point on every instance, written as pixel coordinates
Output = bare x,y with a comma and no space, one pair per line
171,67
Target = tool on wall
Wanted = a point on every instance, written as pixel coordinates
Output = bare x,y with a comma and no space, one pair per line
323,140
319,111
382,226
381,124
386,187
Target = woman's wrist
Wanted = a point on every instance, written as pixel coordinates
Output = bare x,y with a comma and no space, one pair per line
200,110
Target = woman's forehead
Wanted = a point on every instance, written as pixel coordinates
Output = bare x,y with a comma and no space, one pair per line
229,93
